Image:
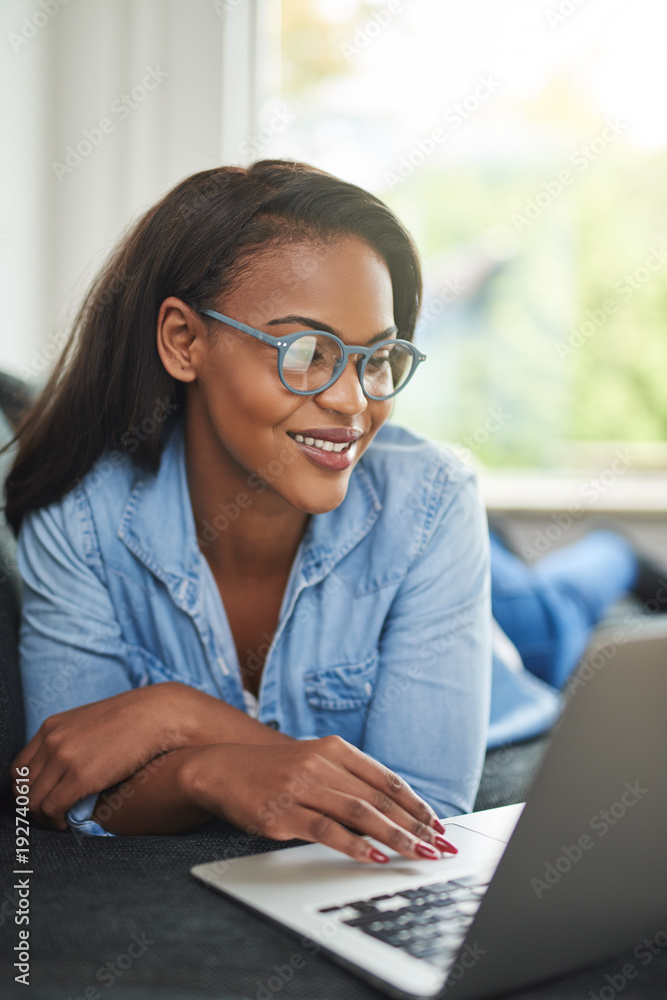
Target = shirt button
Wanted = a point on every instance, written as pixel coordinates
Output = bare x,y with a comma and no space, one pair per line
273,723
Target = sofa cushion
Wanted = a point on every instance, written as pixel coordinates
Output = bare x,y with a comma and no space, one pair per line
12,730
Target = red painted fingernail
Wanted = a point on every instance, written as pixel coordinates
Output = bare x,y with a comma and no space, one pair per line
379,856
437,826
444,845
426,851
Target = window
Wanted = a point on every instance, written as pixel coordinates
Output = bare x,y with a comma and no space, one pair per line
523,145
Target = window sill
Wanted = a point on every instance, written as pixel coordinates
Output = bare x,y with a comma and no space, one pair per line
606,492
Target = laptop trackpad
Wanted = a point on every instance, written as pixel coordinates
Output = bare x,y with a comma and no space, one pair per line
314,873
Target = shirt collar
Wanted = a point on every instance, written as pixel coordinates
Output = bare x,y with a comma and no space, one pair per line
158,524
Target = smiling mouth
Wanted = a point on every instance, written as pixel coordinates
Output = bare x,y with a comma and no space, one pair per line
320,443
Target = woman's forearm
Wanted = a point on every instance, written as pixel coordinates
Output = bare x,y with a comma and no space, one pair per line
157,799
322,790
202,719
97,745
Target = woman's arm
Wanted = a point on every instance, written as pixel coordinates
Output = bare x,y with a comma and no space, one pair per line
313,790
68,756
89,721
428,718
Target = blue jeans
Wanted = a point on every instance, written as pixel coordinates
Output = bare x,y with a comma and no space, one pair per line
549,609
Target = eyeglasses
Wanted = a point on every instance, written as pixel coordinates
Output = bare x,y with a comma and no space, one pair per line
310,362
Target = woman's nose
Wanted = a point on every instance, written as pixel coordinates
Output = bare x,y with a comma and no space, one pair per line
346,394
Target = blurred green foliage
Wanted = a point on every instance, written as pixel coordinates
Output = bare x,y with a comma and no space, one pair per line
567,335
538,340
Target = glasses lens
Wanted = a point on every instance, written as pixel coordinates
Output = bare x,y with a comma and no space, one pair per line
310,361
387,369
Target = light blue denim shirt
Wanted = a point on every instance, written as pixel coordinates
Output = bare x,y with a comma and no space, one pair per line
384,633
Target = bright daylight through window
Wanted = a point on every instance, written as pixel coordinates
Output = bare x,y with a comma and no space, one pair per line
523,144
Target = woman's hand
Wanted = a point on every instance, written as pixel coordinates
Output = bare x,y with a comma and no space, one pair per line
89,748
313,790
92,747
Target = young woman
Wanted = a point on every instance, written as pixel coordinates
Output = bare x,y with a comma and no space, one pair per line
216,522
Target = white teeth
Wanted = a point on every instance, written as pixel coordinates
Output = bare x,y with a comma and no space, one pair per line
322,444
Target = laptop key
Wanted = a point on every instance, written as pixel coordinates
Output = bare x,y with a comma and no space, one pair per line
428,921
366,919
414,893
472,880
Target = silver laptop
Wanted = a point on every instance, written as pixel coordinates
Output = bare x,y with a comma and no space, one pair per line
576,875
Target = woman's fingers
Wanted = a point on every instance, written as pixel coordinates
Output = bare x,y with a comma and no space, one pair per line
358,791
329,787
358,813
308,824
384,780
41,790
25,757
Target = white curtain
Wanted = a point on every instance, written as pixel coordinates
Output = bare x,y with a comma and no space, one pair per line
106,105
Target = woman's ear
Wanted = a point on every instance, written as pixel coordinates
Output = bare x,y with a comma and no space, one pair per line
181,339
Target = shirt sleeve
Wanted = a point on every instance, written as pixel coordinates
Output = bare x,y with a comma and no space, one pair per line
433,688
72,650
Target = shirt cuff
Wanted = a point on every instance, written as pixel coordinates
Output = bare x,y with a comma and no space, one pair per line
79,818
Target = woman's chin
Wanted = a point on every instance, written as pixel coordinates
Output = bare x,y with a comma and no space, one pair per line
320,501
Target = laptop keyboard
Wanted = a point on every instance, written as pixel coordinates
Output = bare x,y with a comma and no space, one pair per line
429,921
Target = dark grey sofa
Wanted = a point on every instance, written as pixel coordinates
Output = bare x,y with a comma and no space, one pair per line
122,917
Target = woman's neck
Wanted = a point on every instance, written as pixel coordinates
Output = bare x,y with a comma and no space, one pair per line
243,530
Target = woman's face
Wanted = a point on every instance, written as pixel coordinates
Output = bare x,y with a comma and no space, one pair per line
238,399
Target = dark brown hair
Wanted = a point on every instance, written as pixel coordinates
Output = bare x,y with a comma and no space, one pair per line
194,245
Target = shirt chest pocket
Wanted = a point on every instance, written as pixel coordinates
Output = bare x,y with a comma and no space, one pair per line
339,697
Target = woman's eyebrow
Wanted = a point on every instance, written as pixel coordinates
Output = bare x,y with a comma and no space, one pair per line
316,324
